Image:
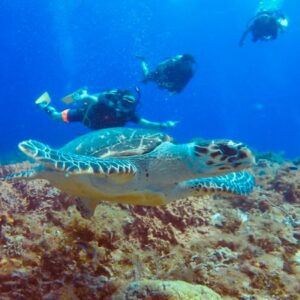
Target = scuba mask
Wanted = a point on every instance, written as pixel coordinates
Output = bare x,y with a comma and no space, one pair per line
122,100
129,100
128,103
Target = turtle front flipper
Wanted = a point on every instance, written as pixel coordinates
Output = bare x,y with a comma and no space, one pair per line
121,170
238,183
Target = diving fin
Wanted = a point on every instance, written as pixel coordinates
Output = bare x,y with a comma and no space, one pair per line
43,99
68,99
75,96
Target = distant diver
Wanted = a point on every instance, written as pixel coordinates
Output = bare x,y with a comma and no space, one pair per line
265,26
172,74
110,108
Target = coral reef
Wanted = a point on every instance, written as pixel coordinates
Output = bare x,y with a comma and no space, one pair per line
238,247
168,290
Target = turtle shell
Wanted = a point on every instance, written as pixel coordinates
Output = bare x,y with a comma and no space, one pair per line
119,141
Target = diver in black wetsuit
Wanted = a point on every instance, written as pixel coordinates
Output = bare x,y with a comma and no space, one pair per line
265,26
111,108
172,74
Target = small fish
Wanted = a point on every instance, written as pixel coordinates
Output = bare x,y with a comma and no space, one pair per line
293,168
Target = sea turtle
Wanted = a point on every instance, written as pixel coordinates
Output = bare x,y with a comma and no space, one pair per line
140,166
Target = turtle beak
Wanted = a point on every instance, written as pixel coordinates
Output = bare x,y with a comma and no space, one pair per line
248,154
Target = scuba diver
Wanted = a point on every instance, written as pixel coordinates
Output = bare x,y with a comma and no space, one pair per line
172,74
111,108
265,26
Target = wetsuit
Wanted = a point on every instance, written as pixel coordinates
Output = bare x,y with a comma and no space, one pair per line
102,114
172,74
265,26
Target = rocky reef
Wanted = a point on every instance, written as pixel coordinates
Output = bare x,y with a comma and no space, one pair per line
207,248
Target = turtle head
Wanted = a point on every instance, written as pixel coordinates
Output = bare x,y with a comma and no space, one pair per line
218,157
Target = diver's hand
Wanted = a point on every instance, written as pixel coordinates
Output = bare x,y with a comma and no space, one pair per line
169,124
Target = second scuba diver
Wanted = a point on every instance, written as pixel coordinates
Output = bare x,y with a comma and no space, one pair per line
172,74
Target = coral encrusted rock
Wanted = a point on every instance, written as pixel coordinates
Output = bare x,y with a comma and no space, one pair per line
165,290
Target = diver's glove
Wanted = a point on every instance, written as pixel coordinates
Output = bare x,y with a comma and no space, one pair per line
169,124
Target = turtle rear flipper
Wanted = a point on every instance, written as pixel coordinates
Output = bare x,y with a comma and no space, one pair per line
237,183
26,174
120,170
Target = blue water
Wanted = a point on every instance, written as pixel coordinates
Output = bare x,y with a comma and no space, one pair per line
249,94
